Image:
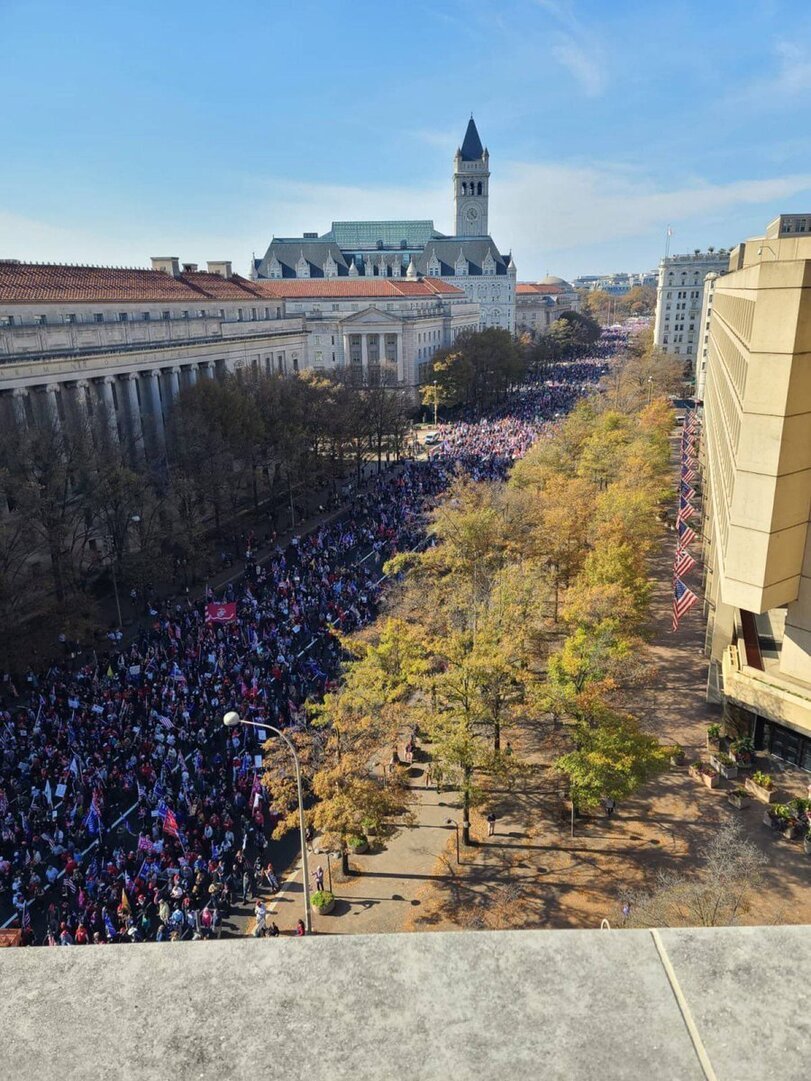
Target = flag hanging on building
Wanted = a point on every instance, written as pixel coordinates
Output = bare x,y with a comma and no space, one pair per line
221,613
685,510
683,601
683,563
687,491
686,534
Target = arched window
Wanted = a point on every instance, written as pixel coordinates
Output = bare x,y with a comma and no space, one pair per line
480,187
464,188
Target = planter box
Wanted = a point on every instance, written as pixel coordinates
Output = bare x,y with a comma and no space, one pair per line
729,772
325,910
765,795
358,850
770,821
746,760
791,833
713,743
711,780
737,801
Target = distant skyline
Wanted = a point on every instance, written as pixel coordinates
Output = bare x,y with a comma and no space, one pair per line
202,130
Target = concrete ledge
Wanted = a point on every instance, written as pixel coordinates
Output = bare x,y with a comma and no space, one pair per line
556,1005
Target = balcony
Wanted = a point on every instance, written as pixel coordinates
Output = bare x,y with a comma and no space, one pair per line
675,1005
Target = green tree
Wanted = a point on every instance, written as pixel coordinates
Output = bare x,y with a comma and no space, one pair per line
611,759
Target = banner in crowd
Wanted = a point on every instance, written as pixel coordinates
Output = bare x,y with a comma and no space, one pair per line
221,613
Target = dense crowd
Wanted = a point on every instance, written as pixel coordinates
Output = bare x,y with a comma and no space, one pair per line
128,811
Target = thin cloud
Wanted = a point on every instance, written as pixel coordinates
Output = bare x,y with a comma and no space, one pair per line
585,66
789,79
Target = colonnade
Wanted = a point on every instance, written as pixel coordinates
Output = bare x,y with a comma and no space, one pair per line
136,404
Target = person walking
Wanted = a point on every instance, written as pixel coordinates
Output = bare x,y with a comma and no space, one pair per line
491,824
301,930
318,875
260,912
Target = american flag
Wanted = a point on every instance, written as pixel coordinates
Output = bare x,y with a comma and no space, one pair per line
683,601
686,534
170,824
687,491
26,920
684,562
685,510
688,473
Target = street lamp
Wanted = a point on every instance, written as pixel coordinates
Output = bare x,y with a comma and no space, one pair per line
231,720
452,822
136,518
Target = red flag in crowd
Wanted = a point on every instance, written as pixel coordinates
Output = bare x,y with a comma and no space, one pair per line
221,613
170,824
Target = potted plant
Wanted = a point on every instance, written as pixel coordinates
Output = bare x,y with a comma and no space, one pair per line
713,737
760,785
323,901
725,765
677,755
787,821
703,771
358,844
738,798
743,752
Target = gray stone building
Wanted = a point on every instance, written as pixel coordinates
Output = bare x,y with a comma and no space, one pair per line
469,259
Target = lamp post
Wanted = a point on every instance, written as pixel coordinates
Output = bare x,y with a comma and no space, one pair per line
452,822
231,720
136,518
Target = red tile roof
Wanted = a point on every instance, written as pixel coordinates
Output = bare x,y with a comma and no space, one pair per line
316,288
536,288
26,283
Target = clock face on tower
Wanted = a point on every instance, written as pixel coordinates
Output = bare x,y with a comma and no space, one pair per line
472,214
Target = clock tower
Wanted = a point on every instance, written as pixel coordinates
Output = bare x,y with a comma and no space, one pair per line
471,177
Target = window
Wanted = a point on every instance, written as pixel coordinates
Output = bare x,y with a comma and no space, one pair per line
145,316
70,318
333,339
278,313
8,321
253,313
239,314
122,317
317,338
267,313
42,320
98,317
335,307
221,313
202,313
166,315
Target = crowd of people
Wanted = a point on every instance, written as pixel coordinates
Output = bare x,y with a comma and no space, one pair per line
128,812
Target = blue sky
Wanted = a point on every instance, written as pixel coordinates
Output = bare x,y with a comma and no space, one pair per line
200,130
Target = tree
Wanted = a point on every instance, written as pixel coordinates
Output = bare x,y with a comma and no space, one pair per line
573,333
476,370
611,760
717,894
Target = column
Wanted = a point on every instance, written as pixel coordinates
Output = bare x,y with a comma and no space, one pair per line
157,409
205,368
193,374
130,382
399,355
364,354
108,401
80,398
52,409
18,397
174,382
345,339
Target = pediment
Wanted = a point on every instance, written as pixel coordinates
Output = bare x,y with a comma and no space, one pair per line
370,317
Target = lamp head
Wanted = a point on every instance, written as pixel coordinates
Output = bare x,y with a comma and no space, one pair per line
231,719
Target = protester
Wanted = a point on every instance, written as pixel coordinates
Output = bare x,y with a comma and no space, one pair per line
127,810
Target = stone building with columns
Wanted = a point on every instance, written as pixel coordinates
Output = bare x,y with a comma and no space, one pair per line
75,340
467,259
385,329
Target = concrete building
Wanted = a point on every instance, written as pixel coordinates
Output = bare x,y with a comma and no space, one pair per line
679,296
468,259
570,1005
75,340
539,304
757,451
615,284
388,329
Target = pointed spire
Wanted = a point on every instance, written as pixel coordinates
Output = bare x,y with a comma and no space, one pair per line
353,270
472,149
411,273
